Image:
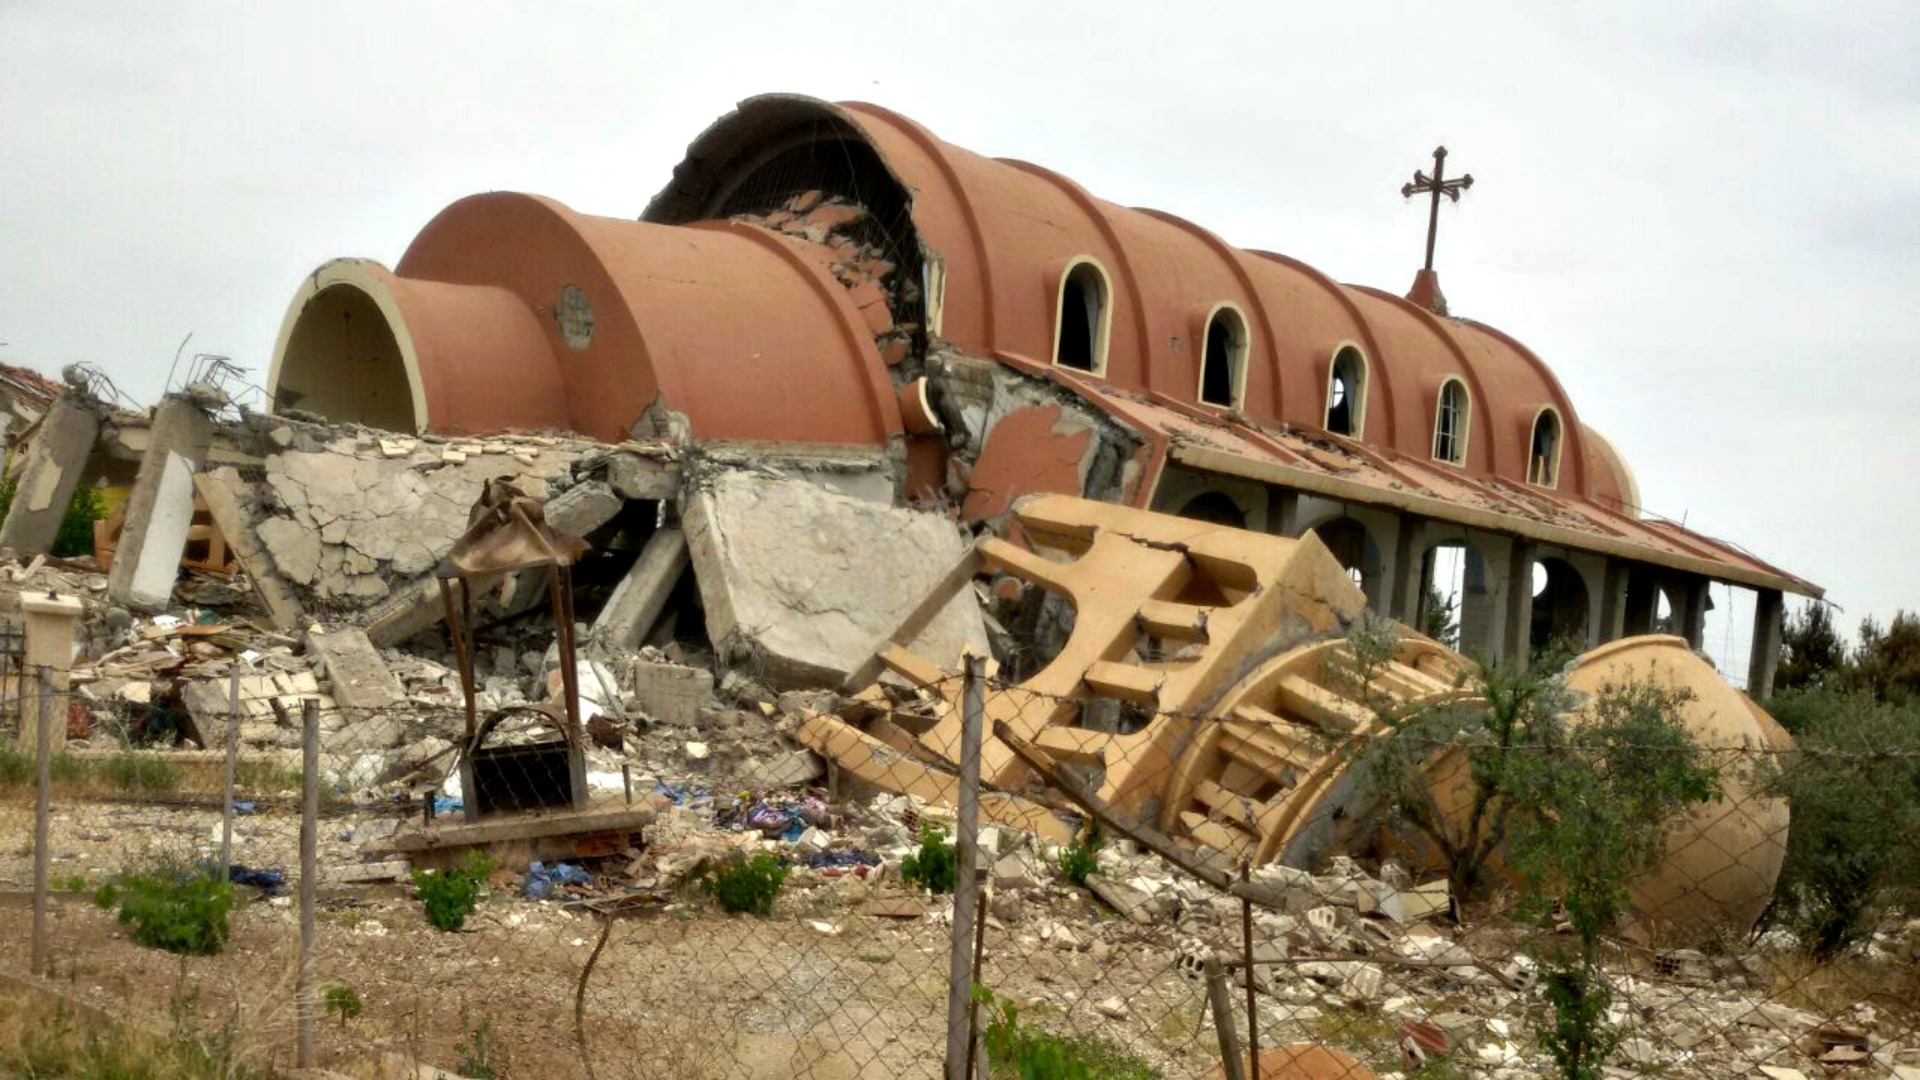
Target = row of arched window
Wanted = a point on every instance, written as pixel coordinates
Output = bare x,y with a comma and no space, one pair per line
1081,343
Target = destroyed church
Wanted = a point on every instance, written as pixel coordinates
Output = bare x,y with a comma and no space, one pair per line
835,279
849,399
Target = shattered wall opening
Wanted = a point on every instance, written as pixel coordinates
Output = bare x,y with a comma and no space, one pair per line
344,362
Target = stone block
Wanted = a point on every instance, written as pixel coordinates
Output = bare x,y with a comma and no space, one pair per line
801,583
671,693
356,676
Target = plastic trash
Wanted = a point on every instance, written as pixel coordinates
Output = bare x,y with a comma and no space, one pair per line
542,878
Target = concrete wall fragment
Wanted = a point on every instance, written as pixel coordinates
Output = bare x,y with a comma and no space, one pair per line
800,583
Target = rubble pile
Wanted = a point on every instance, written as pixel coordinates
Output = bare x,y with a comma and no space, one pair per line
743,648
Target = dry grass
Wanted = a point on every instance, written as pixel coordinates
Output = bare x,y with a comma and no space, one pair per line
44,1035
1835,987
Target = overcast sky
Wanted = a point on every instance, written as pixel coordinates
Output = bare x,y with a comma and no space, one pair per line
1708,223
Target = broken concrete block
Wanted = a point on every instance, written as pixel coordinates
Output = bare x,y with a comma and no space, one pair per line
802,583
582,508
630,613
635,477
671,693
54,461
207,706
154,553
160,507
794,768
1412,905
356,676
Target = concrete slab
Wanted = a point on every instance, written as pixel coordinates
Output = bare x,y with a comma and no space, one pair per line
636,603
799,583
156,559
356,676
55,459
219,489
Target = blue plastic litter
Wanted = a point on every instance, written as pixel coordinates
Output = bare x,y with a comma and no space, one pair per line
243,807
542,878
447,804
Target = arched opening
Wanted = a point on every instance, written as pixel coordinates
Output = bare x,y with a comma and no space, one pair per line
343,362
1666,614
1354,550
1347,393
1443,586
1223,360
1080,333
1543,459
1560,606
1451,416
1216,507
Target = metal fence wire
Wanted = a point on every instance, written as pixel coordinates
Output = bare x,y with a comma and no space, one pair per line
957,884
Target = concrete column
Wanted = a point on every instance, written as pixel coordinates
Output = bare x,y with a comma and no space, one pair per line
1767,613
55,459
1284,512
1379,579
1693,610
1482,630
1409,570
50,620
160,506
1517,606
1613,602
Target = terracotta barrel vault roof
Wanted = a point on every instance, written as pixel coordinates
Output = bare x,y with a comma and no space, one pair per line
1004,231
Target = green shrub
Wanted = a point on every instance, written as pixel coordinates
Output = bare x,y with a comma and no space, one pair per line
449,896
1595,809
16,766
75,538
175,909
930,868
1031,1053
344,1002
743,885
1853,784
1077,859
107,896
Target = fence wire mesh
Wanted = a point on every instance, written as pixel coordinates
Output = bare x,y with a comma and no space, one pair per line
1155,891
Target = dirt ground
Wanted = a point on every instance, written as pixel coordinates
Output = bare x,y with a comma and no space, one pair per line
817,990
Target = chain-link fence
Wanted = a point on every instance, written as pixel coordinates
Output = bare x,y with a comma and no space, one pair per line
1360,867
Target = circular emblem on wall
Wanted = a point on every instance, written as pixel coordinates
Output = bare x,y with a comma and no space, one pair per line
575,316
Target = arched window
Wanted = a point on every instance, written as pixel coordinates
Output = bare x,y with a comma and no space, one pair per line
1223,359
1347,393
1452,413
1080,335
1543,460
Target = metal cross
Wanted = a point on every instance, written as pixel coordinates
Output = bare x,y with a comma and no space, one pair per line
1438,185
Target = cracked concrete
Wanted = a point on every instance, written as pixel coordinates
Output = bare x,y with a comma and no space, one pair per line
344,522
800,583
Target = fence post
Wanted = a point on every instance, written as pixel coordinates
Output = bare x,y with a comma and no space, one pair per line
42,810
1222,1007
966,885
1246,945
309,838
233,762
